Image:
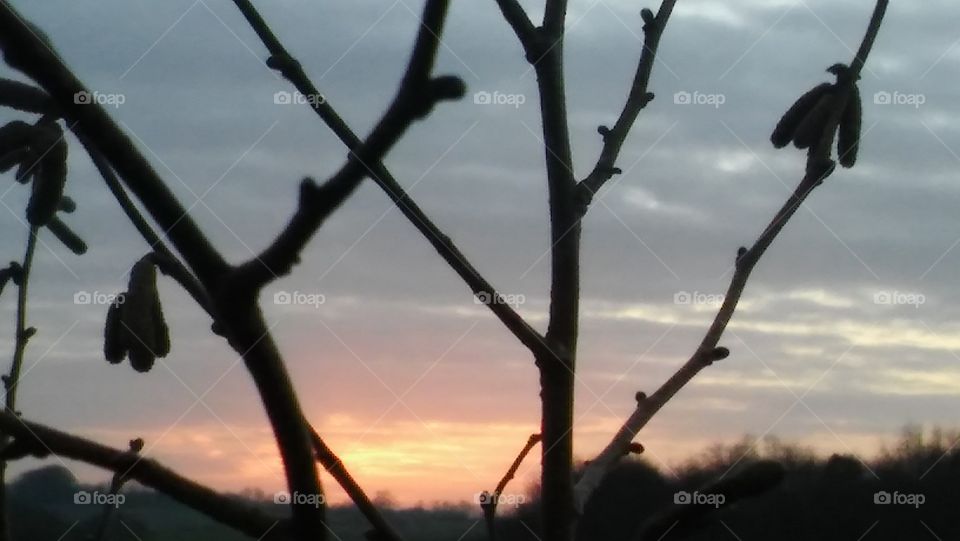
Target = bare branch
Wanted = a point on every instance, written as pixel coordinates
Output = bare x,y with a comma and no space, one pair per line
338,471
554,15
116,484
168,263
27,51
637,100
11,381
489,501
517,18
291,69
708,351
229,511
242,322
558,366
418,94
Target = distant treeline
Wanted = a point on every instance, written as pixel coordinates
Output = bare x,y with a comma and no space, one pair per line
745,491
910,491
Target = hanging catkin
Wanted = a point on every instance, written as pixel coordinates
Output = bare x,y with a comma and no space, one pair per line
813,126
786,129
848,140
114,349
145,332
50,177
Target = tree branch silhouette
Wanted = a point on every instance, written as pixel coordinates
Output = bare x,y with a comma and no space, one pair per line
708,352
26,50
637,100
282,61
338,471
11,381
226,510
489,500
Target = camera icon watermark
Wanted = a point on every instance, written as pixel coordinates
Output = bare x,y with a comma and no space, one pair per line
98,298
99,98
899,498
899,298
697,298
698,498
488,498
298,98
298,498
98,498
699,98
499,98
298,298
485,297
899,98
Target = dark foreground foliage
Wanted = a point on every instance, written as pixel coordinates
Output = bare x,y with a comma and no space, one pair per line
823,498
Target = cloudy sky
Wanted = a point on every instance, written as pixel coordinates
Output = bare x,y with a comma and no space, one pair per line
848,331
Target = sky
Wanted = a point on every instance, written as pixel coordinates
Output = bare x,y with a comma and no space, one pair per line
849,328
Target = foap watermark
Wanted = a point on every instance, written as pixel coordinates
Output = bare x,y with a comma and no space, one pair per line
99,98
488,498
899,498
485,297
299,298
97,297
696,297
899,298
899,98
698,498
98,498
298,498
699,98
297,98
498,98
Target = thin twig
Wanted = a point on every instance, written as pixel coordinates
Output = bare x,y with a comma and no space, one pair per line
417,95
637,100
166,260
489,501
290,68
518,19
338,471
27,52
11,381
707,351
116,484
229,511
242,322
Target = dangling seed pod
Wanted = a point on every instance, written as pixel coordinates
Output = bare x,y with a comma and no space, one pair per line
848,138
786,129
14,135
28,167
161,331
50,178
114,349
812,127
11,159
24,97
138,313
145,331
